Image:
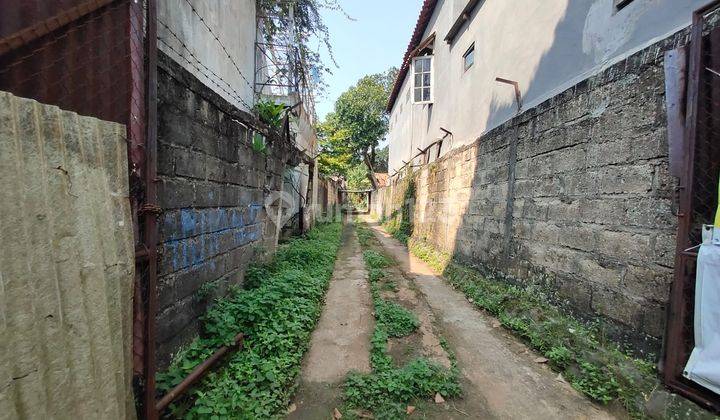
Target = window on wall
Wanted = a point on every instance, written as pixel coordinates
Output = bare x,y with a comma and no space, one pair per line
619,4
422,88
469,57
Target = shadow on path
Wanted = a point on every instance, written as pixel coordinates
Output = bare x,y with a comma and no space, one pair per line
500,370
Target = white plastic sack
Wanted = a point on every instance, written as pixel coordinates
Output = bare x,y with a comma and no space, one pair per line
703,367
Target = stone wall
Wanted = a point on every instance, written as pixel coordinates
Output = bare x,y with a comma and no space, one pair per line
328,200
213,189
574,194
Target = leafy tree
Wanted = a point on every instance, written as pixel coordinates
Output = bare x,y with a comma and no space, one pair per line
381,159
356,177
359,122
335,157
310,33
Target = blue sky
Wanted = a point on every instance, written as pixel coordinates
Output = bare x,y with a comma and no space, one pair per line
375,41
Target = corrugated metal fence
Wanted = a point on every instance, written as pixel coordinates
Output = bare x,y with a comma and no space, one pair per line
90,57
66,265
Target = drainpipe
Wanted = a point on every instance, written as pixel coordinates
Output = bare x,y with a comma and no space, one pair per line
512,161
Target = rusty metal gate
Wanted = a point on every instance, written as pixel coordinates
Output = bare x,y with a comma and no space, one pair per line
698,193
97,58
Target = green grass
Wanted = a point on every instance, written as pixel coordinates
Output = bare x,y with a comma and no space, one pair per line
400,229
388,389
277,312
375,260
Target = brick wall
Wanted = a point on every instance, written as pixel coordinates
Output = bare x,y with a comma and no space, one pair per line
574,195
213,188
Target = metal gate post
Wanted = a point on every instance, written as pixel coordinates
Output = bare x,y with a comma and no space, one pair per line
150,208
676,355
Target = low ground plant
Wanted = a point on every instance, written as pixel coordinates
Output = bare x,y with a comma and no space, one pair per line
388,389
277,312
396,320
398,227
593,366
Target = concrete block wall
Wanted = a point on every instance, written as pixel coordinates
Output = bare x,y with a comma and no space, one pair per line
213,189
328,204
574,194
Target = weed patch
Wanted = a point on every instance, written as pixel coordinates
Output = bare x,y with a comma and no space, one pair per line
364,236
399,228
277,312
375,260
389,388
396,320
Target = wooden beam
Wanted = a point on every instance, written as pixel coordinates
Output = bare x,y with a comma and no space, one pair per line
460,21
424,44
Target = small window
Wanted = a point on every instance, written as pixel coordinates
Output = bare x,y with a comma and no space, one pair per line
469,57
619,4
422,71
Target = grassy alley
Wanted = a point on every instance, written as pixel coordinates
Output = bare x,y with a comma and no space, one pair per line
277,310
419,345
407,372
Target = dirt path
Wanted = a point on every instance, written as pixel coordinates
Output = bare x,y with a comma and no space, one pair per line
341,341
500,371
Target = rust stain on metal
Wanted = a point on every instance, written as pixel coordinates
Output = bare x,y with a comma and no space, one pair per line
197,374
675,89
150,233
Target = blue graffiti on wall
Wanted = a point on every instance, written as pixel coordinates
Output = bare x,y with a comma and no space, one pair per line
200,235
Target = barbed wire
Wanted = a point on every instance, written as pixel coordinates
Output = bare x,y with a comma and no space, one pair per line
213,79
201,71
217,39
235,94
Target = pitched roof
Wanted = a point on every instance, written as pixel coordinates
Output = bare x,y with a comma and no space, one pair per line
420,26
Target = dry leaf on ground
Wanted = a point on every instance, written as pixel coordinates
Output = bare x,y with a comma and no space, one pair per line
336,414
439,398
541,360
410,409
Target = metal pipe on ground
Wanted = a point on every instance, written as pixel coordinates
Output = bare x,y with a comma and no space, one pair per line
197,374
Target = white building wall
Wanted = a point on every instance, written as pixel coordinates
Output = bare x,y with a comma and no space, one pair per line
545,45
233,21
